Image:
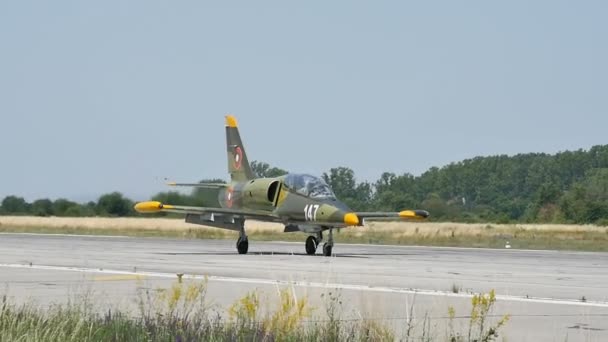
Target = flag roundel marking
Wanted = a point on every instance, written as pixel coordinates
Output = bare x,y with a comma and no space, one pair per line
238,157
229,197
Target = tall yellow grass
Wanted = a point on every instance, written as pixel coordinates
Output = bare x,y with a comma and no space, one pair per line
403,229
119,223
447,229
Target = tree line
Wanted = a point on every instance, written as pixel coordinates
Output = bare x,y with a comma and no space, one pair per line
566,187
112,204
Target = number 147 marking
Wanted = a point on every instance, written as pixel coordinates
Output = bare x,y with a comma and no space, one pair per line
310,212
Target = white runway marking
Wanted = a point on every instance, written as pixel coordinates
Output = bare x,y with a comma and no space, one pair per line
70,235
307,284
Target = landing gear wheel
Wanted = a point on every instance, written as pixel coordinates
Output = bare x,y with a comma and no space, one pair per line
327,249
242,245
311,245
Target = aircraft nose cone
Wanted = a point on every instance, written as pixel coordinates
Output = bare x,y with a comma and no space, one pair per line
351,219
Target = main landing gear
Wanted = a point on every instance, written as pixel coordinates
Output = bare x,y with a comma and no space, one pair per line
327,247
242,244
312,242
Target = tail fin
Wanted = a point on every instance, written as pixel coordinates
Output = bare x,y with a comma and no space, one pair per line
238,165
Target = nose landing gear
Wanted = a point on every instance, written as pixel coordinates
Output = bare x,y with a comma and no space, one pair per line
328,246
312,242
311,245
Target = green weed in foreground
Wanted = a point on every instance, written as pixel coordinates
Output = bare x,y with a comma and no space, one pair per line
182,313
479,328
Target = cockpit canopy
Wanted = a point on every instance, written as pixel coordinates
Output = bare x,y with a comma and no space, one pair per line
308,185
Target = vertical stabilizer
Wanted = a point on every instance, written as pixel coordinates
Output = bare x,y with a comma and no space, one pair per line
238,164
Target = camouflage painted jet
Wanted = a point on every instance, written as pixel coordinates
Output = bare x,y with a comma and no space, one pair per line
303,203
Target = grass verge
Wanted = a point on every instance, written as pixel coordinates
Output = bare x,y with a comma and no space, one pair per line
519,236
182,313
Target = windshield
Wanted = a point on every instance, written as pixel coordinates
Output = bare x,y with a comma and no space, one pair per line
308,185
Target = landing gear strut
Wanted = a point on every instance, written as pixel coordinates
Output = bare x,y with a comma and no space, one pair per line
327,247
242,244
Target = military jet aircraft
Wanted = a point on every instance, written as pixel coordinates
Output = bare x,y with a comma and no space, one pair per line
303,203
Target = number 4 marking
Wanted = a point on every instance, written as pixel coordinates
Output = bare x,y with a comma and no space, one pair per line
310,212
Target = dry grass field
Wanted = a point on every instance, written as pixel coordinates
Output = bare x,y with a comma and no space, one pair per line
534,236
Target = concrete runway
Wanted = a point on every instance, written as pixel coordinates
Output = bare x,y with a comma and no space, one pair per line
542,290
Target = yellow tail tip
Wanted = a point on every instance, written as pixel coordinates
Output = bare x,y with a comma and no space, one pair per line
148,207
230,121
351,219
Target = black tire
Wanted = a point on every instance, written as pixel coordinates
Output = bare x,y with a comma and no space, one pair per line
327,250
311,245
242,245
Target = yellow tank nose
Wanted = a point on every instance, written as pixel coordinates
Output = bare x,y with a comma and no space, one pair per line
351,219
148,207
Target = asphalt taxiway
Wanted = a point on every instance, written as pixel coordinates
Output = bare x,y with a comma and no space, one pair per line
550,295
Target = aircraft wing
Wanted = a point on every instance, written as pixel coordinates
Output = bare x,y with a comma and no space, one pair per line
157,207
405,214
201,185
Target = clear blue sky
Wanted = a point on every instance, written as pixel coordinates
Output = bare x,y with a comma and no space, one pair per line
116,95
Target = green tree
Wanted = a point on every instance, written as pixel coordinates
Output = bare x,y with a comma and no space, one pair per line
264,170
61,205
15,205
504,188
342,180
42,207
395,193
114,204
78,210
436,205
91,208
587,200
174,197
